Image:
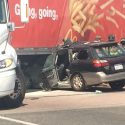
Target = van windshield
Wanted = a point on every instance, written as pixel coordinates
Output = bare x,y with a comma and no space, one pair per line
108,51
2,12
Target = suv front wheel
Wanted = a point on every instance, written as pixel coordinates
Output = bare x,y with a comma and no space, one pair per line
77,82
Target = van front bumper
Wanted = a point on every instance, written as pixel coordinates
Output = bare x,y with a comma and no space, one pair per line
7,82
101,77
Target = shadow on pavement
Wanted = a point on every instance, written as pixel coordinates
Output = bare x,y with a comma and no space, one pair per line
5,107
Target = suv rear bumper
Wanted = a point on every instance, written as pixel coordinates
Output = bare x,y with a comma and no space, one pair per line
101,77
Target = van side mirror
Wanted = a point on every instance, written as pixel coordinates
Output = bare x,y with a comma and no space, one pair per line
11,26
24,7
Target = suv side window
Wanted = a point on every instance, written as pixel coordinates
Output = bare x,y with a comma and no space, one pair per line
83,55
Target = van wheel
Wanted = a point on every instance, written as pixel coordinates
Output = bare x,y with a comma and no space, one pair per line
117,85
16,98
77,82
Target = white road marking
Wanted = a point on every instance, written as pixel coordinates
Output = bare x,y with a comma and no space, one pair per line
17,121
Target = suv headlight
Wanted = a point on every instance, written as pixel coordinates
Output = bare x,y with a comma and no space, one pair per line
6,63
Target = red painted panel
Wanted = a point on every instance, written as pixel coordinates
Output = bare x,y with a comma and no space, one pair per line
53,20
44,26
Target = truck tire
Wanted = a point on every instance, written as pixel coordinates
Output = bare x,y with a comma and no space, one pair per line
16,98
77,82
117,85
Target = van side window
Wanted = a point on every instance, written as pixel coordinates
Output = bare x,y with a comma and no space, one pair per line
83,55
2,12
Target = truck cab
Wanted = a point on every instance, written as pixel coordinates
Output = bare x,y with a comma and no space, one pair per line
12,86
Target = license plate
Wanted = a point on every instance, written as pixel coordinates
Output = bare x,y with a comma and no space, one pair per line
118,66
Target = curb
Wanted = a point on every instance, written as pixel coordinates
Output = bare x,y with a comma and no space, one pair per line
55,93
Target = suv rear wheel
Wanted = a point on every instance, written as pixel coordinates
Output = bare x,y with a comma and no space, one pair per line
77,82
117,85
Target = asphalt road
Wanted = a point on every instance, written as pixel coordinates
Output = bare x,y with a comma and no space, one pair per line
66,107
95,116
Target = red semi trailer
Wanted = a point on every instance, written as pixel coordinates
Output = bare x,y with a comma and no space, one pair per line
53,21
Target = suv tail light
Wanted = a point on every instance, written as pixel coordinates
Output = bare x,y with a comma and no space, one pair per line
100,63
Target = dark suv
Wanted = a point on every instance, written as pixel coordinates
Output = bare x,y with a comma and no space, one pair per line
86,64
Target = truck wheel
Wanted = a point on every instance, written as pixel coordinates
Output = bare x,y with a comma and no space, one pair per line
16,98
77,82
117,85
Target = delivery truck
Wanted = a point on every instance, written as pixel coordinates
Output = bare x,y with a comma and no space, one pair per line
53,22
12,84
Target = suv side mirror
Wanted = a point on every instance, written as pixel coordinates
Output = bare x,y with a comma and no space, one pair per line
24,7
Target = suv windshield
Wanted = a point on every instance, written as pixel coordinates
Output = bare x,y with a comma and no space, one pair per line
2,12
111,50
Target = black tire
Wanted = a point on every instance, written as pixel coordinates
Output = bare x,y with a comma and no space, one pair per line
16,98
77,82
117,85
